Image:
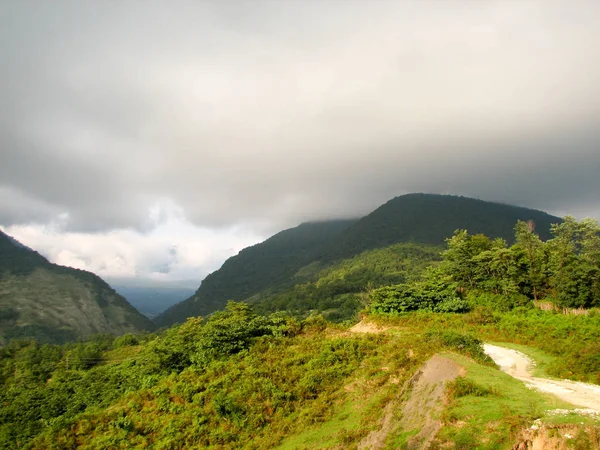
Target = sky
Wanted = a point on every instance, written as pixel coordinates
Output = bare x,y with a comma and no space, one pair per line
152,140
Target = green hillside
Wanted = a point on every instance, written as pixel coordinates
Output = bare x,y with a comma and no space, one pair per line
412,373
243,381
267,271
430,219
269,264
338,290
53,303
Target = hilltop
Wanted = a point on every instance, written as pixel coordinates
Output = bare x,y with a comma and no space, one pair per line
430,219
391,244
52,303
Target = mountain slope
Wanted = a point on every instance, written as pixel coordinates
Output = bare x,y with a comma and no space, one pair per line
430,219
254,269
423,219
54,303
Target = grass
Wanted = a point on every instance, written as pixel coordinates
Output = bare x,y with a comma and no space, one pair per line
363,400
573,418
494,418
323,388
400,439
489,409
345,423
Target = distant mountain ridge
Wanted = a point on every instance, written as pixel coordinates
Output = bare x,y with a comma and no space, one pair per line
53,303
430,219
426,219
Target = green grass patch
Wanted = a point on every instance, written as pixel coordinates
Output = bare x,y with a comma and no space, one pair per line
573,418
488,407
400,439
347,425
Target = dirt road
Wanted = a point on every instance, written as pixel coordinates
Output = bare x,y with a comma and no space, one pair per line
517,365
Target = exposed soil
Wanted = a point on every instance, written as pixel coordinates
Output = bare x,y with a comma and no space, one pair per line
425,391
563,437
367,327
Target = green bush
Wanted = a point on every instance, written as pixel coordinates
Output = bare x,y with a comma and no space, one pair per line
461,387
436,293
463,342
498,302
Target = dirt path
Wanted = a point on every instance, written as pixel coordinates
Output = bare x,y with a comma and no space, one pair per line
517,365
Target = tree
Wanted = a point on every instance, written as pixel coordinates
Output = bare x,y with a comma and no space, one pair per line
459,257
497,270
575,263
532,249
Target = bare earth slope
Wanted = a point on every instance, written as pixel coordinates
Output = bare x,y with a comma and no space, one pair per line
517,365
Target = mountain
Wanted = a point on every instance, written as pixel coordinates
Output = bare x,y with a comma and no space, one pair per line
430,219
257,268
53,303
272,267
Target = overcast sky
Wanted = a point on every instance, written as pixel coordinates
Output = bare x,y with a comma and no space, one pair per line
155,139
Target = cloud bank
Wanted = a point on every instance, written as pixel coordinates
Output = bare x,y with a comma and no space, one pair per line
254,116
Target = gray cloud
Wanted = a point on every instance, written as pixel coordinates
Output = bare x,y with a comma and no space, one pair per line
270,113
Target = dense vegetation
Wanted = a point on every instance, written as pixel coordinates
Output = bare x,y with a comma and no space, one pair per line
268,271
564,270
18,259
236,379
52,303
242,380
340,290
249,377
430,219
268,265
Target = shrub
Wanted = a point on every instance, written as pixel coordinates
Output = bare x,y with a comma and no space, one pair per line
464,343
498,302
461,387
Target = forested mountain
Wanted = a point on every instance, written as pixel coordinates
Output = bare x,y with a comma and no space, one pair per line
257,268
279,270
53,303
430,219
242,379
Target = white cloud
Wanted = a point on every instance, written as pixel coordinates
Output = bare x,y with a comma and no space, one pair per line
255,116
171,249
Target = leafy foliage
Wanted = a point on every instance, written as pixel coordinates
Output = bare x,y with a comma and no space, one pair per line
574,263
476,270
268,265
437,293
234,380
338,291
267,271
461,387
462,342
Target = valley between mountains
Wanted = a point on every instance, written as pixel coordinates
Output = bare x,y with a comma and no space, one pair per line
412,327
